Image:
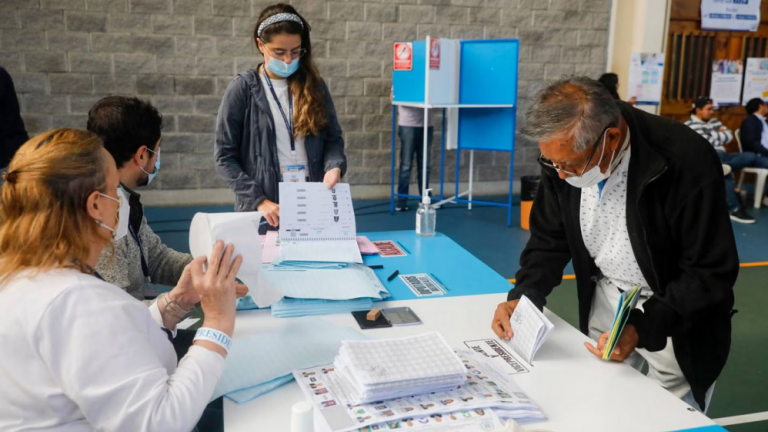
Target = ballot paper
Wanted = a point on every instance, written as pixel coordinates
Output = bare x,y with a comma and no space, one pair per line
530,328
388,368
366,246
270,248
317,223
486,389
241,230
290,307
479,420
627,302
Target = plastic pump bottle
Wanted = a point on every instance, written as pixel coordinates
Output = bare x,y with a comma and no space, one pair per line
426,217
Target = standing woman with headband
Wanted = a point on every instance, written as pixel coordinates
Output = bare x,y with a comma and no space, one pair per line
278,122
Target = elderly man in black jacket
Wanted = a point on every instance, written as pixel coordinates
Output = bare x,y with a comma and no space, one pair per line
632,199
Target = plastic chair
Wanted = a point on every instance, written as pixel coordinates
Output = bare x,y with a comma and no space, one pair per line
761,173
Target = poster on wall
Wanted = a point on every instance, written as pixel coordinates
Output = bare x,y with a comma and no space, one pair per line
756,80
403,60
726,82
646,75
730,15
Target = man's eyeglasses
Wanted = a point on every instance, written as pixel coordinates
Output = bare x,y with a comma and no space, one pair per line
549,164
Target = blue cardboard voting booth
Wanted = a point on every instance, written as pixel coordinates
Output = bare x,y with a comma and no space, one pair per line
474,82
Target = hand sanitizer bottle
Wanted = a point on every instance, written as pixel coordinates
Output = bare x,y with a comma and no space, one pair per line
426,217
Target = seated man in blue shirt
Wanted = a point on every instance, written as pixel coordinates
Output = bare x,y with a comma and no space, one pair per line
704,122
754,134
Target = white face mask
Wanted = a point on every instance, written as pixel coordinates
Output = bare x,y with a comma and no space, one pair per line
123,215
594,175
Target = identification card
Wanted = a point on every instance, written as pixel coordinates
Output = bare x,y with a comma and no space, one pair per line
294,173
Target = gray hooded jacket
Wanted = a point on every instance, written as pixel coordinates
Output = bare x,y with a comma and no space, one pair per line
246,146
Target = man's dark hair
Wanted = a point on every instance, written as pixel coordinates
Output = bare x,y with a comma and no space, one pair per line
125,124
611,83
754,105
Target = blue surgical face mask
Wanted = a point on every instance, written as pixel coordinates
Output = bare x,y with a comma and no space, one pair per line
281,68
157,168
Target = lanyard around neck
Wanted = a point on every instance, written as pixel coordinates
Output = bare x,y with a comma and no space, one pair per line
288,120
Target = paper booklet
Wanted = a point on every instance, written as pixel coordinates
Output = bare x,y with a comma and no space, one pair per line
317,223
486,388
627,302
530,329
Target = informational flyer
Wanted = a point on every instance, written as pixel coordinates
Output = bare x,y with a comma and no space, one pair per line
730,15
755,80
646,76
726,82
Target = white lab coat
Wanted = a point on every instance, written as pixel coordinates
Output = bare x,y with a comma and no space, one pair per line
79,354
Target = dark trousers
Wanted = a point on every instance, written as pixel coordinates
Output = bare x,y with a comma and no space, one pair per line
412,143
212,419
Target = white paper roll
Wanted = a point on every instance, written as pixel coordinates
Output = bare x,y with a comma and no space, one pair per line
242,231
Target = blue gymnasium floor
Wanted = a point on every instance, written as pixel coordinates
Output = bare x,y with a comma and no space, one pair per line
743,386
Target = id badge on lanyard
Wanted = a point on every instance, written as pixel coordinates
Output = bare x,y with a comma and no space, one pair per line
294,173
291,173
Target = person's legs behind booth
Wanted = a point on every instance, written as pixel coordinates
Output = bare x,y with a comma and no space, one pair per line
420,156
408,136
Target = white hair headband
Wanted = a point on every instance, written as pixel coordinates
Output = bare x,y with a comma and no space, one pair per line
279,18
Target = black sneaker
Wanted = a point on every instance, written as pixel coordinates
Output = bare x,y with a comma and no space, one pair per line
401,207
741,216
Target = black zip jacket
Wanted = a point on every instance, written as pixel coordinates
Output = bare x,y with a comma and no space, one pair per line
681,236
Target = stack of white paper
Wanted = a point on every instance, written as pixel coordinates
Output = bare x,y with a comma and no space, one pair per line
390,368
530,329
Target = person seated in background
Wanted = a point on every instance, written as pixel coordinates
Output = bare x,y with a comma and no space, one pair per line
704,122
611,83
79,352
754,134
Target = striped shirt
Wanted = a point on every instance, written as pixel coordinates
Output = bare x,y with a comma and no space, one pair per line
711,130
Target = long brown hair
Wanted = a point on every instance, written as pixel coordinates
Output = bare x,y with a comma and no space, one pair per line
309,112
44,221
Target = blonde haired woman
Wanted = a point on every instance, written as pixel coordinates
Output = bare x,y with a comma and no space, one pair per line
80,354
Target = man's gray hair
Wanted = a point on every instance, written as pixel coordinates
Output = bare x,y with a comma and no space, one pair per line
580,107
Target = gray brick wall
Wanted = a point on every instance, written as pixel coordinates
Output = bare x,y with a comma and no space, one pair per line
181,54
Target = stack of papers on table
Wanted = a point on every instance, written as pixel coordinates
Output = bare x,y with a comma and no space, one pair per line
261,363
530,329
391,368
290,307
349,282
317,223
627,302
366,246
488,389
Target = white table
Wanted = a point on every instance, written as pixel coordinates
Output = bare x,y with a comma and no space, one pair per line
577,391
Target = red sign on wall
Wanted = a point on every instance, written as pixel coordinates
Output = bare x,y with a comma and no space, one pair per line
434,54
403,60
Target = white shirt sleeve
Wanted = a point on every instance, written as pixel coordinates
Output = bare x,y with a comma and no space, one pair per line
116,364
157,317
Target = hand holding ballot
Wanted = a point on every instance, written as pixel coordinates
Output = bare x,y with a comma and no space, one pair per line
624,346
270,211
501,325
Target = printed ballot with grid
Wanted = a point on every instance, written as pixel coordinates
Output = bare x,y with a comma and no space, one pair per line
530,329
387,368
